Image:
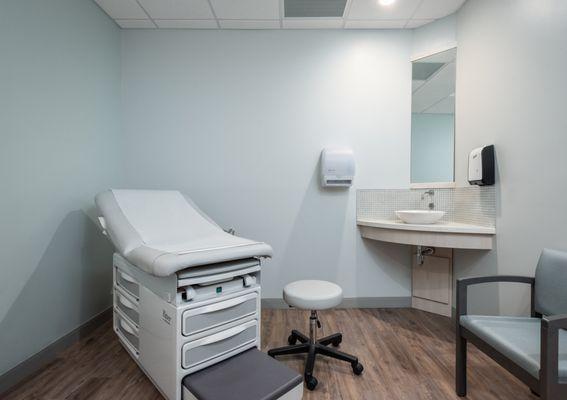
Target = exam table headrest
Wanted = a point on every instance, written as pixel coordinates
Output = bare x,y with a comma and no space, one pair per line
163,231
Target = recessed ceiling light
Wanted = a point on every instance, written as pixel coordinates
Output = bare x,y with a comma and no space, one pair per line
386,2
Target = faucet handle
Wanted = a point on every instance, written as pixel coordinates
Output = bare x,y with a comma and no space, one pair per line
429,192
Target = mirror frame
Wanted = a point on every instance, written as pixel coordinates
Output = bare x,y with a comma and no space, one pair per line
436,185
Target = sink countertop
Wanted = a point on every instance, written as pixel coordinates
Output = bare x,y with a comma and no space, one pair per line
448,227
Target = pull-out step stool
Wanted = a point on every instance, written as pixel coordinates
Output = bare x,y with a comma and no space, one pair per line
251,375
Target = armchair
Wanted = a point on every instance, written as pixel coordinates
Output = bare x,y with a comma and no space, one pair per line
534,348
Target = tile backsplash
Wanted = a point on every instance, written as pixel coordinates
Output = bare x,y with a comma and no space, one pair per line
475,205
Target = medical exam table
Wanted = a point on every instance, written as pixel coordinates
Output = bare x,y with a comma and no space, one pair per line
187,300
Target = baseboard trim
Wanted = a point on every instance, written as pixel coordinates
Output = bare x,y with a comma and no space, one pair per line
352,302
33,364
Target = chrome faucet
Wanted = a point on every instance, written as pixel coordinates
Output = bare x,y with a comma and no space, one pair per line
429,193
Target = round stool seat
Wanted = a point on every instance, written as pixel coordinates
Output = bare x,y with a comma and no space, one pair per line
313,295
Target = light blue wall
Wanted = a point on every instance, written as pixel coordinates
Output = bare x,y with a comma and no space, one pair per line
511,82
432,147
238,119
59,125
434,37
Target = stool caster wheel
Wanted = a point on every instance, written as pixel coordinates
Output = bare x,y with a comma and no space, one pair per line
357,368
336,343
291,340
311,382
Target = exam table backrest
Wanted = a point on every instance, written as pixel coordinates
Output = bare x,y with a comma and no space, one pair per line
163,231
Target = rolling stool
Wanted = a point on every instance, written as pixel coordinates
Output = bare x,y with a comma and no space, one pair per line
314,295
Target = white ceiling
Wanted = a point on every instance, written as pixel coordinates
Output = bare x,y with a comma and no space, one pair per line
436,95
268,14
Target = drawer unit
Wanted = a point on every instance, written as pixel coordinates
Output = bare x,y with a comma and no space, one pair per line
127,332
128,283
218,344
127,305
199,319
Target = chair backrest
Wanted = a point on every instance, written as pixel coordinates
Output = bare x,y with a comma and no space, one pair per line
551,283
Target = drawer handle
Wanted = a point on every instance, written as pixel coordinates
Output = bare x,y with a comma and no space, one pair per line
217,337
221,305
127,328
128,278
126,303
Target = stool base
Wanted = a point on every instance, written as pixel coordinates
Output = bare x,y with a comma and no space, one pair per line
312,348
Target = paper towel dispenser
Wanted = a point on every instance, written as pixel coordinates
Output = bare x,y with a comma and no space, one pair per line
337,167
481,166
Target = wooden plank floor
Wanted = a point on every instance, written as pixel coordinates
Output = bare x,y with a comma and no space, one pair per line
407,354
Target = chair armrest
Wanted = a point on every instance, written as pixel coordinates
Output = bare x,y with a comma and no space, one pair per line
464,283
555,322
495,278
549,352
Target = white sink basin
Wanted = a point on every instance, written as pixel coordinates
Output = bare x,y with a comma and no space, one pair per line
420,216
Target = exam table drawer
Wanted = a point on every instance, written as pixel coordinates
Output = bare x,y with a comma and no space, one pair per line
218,344
126,282
127,332
127,305
212,315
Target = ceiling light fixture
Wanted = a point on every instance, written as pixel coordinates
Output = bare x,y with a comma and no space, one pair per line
386,2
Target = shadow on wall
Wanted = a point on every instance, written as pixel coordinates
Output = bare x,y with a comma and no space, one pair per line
394,260
483,299
70,285
313,250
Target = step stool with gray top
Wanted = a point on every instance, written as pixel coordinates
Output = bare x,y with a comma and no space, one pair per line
251,375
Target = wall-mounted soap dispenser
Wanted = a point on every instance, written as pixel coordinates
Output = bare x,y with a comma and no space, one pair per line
481,166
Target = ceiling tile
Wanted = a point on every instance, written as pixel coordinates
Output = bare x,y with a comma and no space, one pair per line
249,24
178,9
135,23
317,23
416,84
371,9
376,24
438,87
314,8
444,57
122,9
186,23
444,106
416,23
246,9
433,9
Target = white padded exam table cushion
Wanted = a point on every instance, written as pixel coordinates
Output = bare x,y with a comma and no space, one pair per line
162,232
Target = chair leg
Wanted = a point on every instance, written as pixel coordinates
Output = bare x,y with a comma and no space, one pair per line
333,353
461,367
310,363
335,339
310,380
295,349
299,336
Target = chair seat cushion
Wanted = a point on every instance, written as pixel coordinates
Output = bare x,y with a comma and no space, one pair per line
313,295
518,338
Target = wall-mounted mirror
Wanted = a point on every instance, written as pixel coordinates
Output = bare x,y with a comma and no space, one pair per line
433,119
